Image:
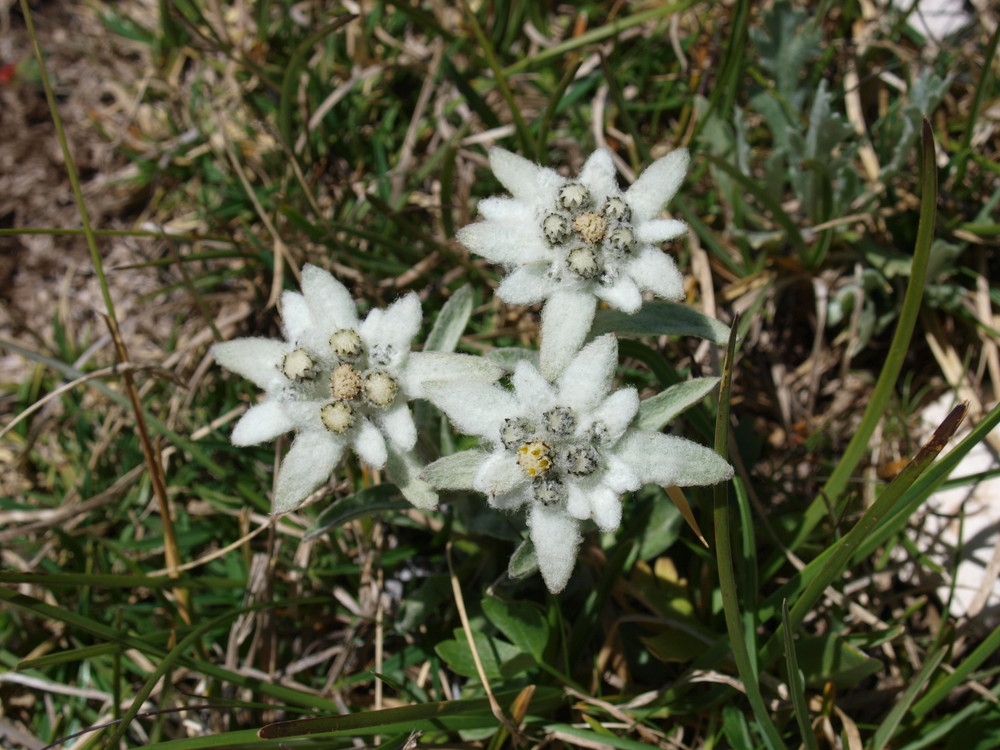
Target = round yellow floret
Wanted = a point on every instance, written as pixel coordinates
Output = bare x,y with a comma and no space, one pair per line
345,383
590,227
533,458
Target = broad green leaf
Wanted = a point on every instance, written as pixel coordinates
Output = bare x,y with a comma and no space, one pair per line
500,660
520,622
451,322
656,318
656,412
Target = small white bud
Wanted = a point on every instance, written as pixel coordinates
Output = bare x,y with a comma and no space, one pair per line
346,343
578,460
515,430
555,228
583,262
617,210
574,196
380,389
560,421
337,417
621,240
549,492
298,366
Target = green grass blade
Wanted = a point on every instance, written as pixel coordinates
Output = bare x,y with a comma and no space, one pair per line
891,722
835,486
727,573
796,685
822,571
940,690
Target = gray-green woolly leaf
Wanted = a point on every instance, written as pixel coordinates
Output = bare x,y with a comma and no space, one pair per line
454,472
451,322
657,411
659,317
523,562
382,497
405,472
508,357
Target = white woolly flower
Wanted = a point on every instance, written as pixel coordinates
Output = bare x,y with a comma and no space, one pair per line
566,449
570,242
339,382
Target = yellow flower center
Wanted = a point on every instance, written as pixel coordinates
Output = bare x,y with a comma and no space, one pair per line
590,227
345,383
533,458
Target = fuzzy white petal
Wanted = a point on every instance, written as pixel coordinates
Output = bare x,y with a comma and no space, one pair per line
399,324
261,423
328,299
622,295
598,174
525,180
533,391
657,272
308,464
258,360
649,194
566,320
556,537
617,412
668,460
425,367
499,474
474,408
587,378
503,209
619,476
509,501
397,424
606,507
295,315
526,285
506,243
369,444
660,230
577,502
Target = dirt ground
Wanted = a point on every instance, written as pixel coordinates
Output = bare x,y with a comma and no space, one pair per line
47,281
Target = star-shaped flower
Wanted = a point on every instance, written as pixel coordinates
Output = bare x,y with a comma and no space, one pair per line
339,382
570,242
565,449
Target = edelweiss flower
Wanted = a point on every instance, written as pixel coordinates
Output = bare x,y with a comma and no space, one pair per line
572,242
338,382
567,450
